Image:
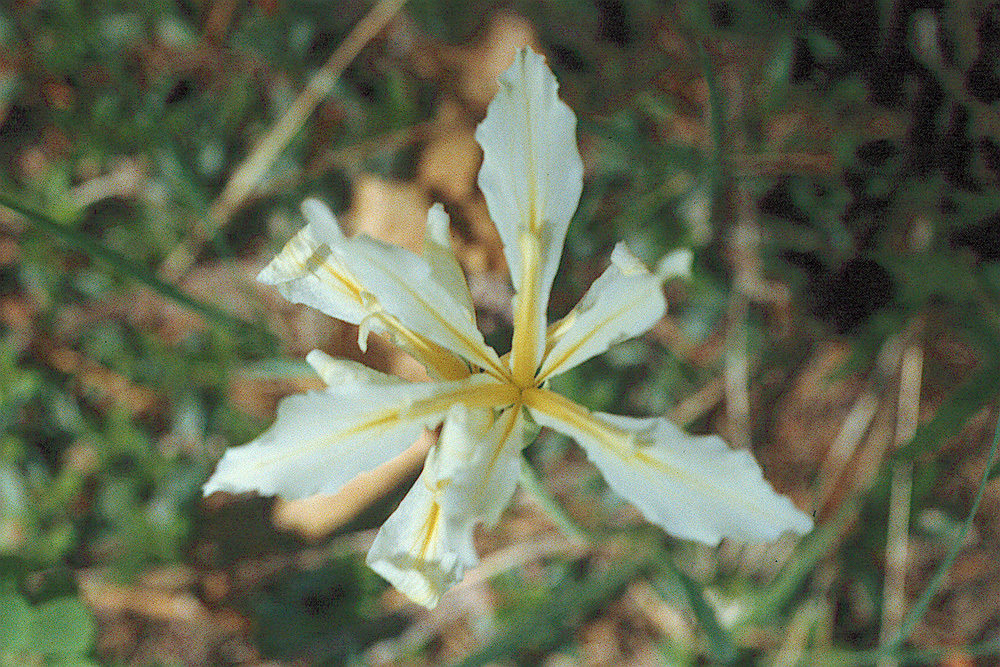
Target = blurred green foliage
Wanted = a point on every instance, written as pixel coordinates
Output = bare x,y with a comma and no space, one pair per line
55,632
866,136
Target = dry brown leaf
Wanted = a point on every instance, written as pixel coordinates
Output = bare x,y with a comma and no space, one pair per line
479,66
104,385
148,602
391,211
450,161
258,394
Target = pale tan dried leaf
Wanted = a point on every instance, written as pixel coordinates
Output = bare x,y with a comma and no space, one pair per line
450,160
390,211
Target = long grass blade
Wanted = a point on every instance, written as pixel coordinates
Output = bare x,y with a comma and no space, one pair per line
920,608
122,265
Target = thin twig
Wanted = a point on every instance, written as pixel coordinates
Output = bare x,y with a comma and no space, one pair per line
249,173
745,249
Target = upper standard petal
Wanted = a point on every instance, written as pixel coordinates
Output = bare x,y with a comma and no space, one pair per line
532,176
441,258
482,457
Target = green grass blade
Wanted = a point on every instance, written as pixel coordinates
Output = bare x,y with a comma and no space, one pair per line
813,548
920,608
717,121
721,646
122,265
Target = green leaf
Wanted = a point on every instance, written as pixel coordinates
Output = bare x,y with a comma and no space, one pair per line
62,627
16,618
720,644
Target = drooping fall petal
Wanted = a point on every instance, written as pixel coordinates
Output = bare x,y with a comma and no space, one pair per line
425,547
695,487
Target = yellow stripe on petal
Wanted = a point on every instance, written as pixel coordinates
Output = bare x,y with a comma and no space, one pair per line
695,487
625,301
408,289
322,439
560,409
529,316
480,392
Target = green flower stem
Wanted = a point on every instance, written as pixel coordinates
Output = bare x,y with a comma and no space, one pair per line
566,525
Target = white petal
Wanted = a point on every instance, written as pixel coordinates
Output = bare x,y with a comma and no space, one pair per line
440,256
306,271
322,439
323,221
675,265
624,302
407,289
426,546
311,270
695,487
482,457
338,372
418,549
532,176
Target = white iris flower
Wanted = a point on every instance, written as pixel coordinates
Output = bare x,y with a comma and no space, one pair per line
694,487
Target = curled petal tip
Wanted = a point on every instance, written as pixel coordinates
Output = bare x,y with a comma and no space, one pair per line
675,265
316,211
